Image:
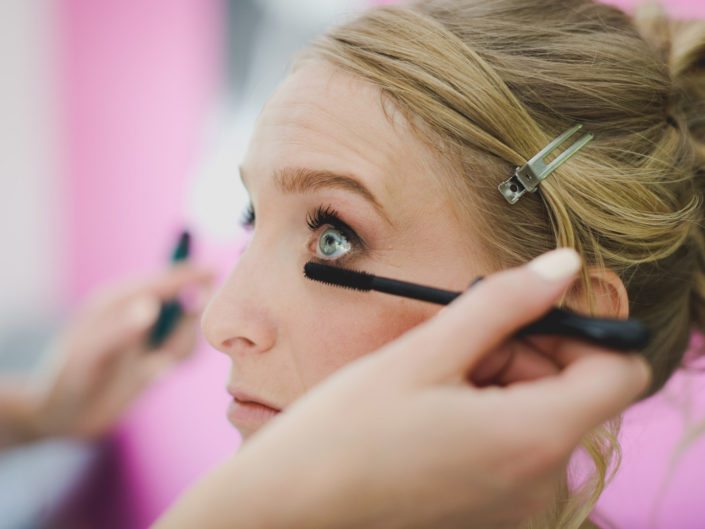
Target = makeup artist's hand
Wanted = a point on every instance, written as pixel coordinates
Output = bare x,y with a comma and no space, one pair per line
400,438
101,360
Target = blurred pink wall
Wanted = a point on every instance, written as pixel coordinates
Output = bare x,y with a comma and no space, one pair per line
139,79
676,8
659,484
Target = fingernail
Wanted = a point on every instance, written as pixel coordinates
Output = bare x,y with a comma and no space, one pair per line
556,265
143,311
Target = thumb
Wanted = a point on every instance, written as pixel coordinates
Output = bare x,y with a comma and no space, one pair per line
129,321
451,344
596,386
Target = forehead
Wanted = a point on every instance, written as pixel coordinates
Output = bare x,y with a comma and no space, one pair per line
324,118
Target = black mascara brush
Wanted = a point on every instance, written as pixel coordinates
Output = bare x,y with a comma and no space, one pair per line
622,335
363,281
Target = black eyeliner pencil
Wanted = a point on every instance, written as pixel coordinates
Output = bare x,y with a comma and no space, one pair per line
622,335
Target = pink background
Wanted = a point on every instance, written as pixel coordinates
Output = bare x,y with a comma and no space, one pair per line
138,82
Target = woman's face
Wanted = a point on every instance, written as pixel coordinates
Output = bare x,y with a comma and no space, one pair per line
331,178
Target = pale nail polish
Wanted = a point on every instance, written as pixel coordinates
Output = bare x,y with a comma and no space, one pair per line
556,265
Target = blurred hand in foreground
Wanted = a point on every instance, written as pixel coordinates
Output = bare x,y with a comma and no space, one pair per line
102,359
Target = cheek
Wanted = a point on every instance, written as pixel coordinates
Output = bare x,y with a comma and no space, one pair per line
343,334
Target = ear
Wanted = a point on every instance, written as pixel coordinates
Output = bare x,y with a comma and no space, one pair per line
609,295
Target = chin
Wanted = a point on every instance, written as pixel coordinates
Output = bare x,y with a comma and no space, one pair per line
244,435
246,430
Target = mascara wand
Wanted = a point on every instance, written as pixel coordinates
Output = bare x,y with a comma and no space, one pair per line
621,335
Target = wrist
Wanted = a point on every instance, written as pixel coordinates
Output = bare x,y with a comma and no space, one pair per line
270,485
19,414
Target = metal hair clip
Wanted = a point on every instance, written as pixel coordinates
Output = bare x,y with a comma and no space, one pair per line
529,176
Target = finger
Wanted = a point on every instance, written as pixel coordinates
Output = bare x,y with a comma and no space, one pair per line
180,345
168,284
182,341
519,362
194,300
568,351
128,301
595,387
124,326
165,285
157,363
561,350
111,301
450,345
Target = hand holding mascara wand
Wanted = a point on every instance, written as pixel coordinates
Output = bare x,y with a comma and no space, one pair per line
492,459
621,335
124,336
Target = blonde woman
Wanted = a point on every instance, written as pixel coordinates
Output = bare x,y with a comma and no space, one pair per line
386,150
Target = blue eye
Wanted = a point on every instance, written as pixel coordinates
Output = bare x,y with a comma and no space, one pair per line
332,238
332,244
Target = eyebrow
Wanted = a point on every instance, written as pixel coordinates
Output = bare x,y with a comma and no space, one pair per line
300,180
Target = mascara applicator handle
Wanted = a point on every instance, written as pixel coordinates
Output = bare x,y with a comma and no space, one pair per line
623,335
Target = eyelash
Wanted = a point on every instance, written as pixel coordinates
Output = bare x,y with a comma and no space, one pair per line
315,220
247,219
327,216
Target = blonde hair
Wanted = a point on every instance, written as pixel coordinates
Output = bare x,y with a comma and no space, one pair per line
489,83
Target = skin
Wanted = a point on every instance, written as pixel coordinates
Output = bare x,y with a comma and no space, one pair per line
285,333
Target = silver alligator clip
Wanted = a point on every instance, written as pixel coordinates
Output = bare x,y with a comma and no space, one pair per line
529,176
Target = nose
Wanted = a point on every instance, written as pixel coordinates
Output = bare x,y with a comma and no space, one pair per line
238,320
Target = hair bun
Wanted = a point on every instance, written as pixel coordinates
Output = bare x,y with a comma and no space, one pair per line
681,44
653,23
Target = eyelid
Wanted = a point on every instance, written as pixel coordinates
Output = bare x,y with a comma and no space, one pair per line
323,216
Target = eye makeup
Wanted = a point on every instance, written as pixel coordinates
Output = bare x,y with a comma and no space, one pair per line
334,239
247,219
